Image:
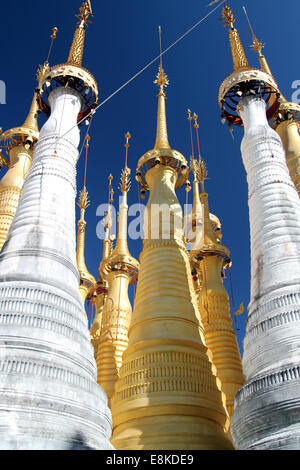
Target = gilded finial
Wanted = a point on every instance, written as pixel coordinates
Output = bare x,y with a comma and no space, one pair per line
125,182
85,11
127,137
257,46
202,174
162,153
228,17
110,190
191,132
238,54
76,51
53,36
195,118
161,80
161,77
195,168
54,33
83,200
107,220
42,72
87,141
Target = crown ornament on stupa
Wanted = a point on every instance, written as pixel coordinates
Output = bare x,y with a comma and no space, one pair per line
72,74
286,110
245,80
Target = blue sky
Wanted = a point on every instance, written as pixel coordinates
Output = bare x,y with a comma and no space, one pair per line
122,39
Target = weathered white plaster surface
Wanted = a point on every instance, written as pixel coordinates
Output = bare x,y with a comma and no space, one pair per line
267,408
49,398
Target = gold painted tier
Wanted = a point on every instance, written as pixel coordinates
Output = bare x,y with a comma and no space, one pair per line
289,134
100,300
11,187
167,395
219,334
113,339
213,302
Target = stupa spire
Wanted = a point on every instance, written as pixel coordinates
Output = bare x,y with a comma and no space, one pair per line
31,120
162,81
76,50
121,269
239,58
87,280
102,282
121,247
209,238
197,207
258,46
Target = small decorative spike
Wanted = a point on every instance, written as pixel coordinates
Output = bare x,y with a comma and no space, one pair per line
83,201
195,117
238,54
125,183
257,46
119,268
76,51
85,11
202,171
161,78
228,17
195,167
54,33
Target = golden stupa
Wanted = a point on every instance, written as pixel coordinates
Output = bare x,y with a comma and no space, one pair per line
167,395
101,288
208,258
119,268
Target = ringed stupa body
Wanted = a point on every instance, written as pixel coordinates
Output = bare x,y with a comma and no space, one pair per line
267,407
285,121
49,397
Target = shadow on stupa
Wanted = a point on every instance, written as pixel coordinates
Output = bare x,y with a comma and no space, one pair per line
78,443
